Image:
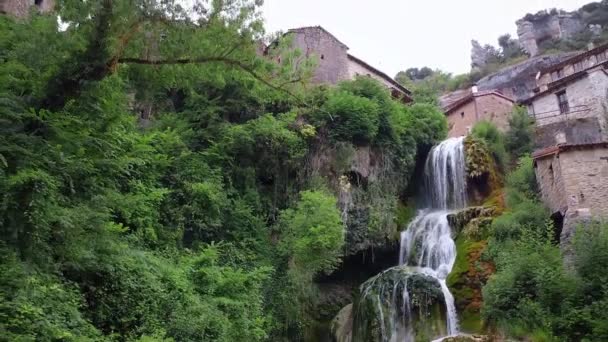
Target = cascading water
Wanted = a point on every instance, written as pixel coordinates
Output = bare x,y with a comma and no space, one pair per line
426,257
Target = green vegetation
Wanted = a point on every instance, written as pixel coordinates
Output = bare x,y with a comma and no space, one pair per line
494,141
156,181
533,295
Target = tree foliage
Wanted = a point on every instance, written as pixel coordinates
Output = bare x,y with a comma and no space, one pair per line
153,173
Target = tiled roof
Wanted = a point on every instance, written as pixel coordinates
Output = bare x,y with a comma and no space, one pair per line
551,150
381,74
470,96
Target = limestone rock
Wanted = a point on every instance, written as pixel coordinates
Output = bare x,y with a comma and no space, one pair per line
534,29
460,220
342,325
479,56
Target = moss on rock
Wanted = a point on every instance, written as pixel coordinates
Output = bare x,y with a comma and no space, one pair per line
379,310
466,280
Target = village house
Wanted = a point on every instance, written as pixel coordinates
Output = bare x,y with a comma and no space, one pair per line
335,64
476,106
570,109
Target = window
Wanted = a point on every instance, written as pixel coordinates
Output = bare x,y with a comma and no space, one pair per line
562,99
37,2
462,115
322,56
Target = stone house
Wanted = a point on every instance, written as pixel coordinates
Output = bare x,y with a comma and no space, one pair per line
570,109
20,8
476,106
335,64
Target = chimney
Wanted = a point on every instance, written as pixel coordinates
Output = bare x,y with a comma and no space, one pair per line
474,89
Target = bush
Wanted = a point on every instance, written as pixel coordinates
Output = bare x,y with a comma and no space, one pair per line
494,140
519,139
350,117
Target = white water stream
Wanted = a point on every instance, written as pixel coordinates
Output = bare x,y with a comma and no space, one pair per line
427,242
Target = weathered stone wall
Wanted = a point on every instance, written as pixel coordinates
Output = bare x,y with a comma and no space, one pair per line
21,8
461,120
549,178
585,178
331,54
487,107
357,69
495,109
587,120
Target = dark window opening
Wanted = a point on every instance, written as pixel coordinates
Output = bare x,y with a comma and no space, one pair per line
551,174
562,99
462,115
558,224
38,2
322,56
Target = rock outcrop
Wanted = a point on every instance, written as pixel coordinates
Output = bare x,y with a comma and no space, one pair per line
535,29
479,55
516,81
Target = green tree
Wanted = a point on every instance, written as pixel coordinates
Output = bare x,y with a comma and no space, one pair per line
519,139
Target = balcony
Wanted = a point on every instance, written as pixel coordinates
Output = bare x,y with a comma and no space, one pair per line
563,114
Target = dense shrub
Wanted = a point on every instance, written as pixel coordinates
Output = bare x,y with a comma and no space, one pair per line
519,139
495,141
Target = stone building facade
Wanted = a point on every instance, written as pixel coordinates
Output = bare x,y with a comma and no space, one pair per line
335,64
21,8
490,106
570,109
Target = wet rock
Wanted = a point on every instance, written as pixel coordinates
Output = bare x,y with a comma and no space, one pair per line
475,216
342,325
384,308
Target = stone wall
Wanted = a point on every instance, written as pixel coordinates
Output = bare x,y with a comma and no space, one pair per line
357,69
576,131
550,181
490,107
495,109
461,120
587,120
330,54
21,8
585,178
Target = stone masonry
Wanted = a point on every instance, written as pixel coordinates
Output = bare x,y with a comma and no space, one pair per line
335,64
490,106
21,8
571,157
331,54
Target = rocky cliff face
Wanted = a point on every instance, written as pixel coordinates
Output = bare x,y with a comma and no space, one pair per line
516,81
535,29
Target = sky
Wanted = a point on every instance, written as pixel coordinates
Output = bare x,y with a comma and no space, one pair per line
394,35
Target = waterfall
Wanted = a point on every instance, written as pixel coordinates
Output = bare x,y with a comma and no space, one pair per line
427,250
427,242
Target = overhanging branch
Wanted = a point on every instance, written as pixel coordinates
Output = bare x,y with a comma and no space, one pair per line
215,59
